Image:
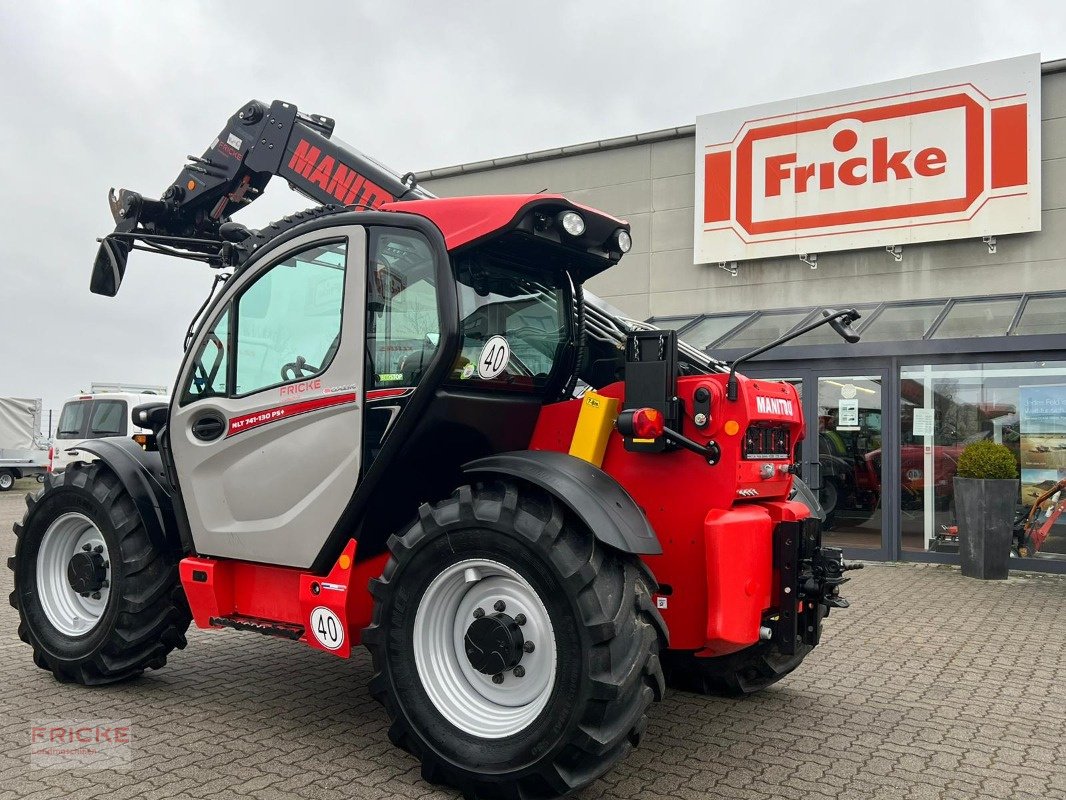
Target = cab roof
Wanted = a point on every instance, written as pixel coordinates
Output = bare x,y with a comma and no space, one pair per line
465,220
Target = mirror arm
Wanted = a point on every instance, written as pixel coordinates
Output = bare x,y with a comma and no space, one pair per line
732,386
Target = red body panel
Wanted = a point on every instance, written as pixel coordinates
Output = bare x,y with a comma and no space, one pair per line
464,219
260,593
716,538
739,562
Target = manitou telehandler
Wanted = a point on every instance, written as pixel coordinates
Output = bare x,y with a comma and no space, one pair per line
399,422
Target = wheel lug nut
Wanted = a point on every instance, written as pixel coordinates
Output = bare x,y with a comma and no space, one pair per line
519,671
98,549
95,595
479,613
499,605
86,547
520,619
497,678
104,584
84,594
529,647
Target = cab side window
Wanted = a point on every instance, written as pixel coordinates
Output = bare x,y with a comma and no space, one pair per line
283,327
210,371
514,327
403,320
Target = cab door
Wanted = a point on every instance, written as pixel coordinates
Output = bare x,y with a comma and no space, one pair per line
266,424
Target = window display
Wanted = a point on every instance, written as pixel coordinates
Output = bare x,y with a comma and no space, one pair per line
945,407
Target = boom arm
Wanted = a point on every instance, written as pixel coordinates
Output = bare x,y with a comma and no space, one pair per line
256,144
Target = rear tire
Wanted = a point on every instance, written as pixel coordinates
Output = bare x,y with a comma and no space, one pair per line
7,480
735,675
591,603
133,613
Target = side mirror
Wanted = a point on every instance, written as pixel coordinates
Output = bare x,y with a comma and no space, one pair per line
152,416
109,266
842,325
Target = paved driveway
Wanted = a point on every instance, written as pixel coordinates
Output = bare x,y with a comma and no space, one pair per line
930,686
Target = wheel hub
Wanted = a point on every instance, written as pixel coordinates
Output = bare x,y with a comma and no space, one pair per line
494,644
73,574
467,656
86,572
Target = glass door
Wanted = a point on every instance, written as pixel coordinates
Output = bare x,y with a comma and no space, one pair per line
846,466
841,457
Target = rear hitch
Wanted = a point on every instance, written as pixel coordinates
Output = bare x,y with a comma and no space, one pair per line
810,577
826,576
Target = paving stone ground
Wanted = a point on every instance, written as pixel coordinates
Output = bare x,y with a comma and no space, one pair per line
931,686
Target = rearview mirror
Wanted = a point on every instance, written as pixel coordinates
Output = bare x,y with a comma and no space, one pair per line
109,266
842,325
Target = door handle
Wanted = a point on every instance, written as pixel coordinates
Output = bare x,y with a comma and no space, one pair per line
208,428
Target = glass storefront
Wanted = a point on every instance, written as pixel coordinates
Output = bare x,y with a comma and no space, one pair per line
944,407
888,417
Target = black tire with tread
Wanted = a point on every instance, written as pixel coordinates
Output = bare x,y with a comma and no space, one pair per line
7,480
735,675
146,616
609,614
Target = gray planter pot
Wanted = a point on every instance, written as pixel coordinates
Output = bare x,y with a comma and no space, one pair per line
985,510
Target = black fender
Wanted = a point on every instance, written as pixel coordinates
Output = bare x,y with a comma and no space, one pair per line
141,473
594,497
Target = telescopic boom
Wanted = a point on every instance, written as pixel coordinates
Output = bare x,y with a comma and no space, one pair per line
257,143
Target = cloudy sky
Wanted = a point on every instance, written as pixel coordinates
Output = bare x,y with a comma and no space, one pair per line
101,94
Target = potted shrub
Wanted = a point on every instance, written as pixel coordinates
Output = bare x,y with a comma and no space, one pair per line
986,493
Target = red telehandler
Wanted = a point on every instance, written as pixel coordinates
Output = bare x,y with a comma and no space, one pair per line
400,422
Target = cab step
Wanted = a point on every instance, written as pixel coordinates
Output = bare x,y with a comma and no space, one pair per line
267,627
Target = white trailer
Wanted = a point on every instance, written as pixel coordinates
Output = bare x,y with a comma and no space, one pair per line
23,452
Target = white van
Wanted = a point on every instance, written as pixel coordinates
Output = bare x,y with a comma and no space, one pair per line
104,411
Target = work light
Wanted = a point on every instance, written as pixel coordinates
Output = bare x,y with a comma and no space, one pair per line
572,223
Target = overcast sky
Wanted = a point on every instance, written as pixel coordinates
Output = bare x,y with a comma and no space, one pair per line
101,94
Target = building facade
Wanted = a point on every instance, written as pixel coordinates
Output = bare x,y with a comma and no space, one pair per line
969,333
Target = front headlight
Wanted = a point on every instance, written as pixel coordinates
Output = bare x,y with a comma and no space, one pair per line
572,223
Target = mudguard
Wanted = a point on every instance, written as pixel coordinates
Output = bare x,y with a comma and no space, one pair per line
591,494
141,474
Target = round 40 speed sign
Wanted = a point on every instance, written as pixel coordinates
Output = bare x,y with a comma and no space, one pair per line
493,358
326,627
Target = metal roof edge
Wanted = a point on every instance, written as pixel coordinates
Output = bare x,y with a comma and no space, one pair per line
598,146
1049,67
601,145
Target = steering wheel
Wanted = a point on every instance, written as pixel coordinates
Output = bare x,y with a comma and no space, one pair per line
297,369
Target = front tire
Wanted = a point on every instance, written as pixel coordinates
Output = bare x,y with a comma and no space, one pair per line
97,601
7,480
578,699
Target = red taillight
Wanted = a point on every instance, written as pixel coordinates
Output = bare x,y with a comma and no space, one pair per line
51,458
641,424
648,423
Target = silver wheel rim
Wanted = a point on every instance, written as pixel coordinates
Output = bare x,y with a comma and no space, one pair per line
7,480
469,699
68,611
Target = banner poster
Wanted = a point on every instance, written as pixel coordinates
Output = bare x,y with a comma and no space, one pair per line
1042,423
